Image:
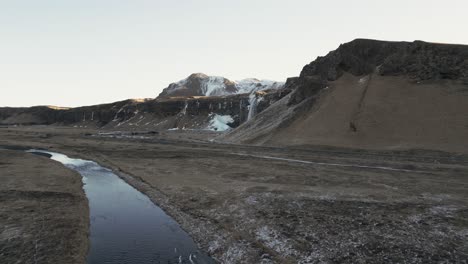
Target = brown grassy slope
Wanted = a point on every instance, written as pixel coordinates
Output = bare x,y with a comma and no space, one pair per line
380,94
386,112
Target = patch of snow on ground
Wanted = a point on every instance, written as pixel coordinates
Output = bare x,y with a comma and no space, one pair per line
364,79
235,253
251,200
415,218
214,245
220,122
444,210
272,239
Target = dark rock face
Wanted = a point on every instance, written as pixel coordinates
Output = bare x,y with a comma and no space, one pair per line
418,60
305,87
175,112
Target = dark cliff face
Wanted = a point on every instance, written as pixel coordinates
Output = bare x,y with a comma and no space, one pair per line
417,60
195,112
182,112
45,115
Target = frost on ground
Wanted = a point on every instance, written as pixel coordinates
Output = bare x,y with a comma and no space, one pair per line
272,239
281,228
235,253
10,233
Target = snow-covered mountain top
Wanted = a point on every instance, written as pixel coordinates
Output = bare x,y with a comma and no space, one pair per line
199,84
251,84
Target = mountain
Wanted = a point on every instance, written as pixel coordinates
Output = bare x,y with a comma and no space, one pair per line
199,84
364,94
199,102
372,94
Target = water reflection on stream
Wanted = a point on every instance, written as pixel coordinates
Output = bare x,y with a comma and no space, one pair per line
126,227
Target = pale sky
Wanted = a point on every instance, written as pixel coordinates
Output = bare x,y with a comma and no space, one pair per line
83,52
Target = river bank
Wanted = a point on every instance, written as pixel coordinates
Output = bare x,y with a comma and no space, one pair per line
43,211
278,205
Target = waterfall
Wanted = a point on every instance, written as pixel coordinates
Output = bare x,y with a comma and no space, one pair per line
184,110
252,106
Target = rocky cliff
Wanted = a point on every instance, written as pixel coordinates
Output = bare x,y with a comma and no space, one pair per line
419,60
185,112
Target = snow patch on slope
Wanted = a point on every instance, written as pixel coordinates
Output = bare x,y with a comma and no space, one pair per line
253,85
218,86
213,85
220,122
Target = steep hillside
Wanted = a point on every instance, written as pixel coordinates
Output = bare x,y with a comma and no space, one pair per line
372,94
199,84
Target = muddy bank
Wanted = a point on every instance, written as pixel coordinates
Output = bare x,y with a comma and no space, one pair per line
251,209
43,214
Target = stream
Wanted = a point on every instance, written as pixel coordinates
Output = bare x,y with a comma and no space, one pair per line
126,227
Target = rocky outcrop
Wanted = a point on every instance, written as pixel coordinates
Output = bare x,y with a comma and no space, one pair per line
304,87
199,84
419,60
